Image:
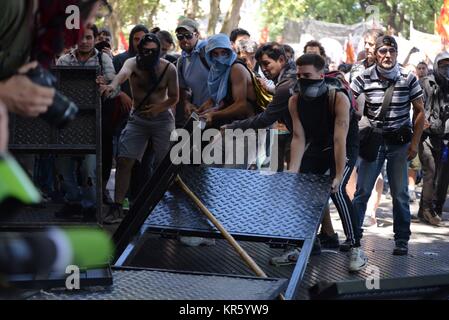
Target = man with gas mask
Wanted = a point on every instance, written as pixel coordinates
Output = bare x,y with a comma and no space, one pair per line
155,90
323,125
389,92
433,148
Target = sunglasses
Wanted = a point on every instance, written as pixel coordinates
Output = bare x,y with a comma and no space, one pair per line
149,52
383,51
182,36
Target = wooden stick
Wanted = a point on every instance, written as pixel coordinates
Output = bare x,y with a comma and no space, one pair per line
246,258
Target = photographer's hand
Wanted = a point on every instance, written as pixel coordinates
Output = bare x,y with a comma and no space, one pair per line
22,96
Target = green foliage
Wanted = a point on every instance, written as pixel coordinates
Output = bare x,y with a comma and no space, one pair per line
396,13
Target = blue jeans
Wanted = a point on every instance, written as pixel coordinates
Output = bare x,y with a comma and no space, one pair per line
397,165
85,195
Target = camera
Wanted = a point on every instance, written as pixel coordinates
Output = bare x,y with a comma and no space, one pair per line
102,45
62,111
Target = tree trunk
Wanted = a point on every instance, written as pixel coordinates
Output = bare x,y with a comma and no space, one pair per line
192,9
213,16
114,23
232,17
153,13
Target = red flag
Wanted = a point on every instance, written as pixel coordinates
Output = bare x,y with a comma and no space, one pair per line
443,22
123,41
350,52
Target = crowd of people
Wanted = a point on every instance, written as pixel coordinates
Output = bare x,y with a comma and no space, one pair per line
361,123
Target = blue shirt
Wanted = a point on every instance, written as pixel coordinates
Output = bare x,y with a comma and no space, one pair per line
194,74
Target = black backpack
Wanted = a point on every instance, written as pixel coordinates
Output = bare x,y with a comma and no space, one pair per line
434,107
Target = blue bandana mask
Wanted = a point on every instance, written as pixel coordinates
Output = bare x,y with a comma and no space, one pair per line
222,59
220,67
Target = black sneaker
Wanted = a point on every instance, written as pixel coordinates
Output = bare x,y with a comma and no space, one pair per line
115,214
400,249
329,242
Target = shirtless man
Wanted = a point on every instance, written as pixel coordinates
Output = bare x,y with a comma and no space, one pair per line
232,95
151,120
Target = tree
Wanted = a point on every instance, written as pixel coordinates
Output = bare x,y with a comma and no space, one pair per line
394,13
131,12
213,16
232,18
192,9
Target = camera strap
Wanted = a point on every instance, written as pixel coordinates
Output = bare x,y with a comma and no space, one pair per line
152,89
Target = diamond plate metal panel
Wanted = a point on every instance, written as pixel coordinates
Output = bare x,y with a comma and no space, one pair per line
80,131
29,131
79,85
162,285
249,203
424,258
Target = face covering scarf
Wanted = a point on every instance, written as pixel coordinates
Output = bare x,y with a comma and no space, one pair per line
390,74
220,67
311,89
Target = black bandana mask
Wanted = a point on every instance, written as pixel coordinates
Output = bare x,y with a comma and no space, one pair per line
148,59
310,89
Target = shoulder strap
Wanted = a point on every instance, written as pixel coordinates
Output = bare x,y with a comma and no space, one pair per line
203,57
332,98
100,62
387,100
154,87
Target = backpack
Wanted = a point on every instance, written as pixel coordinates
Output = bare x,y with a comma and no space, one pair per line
337,80
433,107
263,97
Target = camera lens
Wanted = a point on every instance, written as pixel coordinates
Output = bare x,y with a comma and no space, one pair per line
62,111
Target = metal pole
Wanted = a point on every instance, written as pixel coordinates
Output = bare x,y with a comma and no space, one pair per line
246,258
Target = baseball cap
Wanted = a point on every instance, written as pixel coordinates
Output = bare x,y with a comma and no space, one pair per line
386,41
189,25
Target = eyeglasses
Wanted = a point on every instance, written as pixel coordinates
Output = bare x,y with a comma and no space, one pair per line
383,51
182,36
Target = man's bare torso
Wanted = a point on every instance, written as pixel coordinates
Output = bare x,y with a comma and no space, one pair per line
140,85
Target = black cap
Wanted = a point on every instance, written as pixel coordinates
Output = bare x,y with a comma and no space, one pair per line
386,41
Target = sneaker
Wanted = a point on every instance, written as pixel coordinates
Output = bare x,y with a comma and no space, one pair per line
329,242
289,257
196,241
369,222
400,249
345,246
431,217
358,260
114,215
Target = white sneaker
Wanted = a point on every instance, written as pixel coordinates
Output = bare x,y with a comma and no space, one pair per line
357,260
290,256
196,241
